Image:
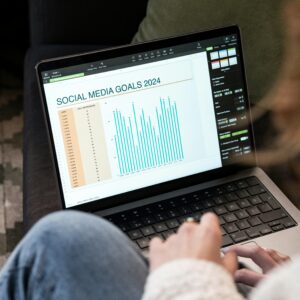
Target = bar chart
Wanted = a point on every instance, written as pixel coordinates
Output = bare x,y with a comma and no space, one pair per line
147,141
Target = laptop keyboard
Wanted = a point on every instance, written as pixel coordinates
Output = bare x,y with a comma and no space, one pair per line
246,210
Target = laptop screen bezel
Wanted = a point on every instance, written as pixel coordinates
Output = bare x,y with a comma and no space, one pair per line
89,57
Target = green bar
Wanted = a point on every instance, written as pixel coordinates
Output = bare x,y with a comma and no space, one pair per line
66,77
209,48
225,136
240,132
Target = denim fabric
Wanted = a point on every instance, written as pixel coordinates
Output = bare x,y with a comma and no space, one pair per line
73,255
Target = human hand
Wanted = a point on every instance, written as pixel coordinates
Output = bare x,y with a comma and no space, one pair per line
266,259
194,241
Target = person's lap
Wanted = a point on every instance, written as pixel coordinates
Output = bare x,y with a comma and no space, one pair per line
73,255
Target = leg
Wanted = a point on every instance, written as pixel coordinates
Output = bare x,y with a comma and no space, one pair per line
72,255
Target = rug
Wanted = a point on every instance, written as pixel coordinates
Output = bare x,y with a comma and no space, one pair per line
11,211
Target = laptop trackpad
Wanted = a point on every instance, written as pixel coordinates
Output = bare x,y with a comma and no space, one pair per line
248,263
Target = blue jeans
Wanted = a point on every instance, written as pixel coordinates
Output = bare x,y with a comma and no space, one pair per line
72,255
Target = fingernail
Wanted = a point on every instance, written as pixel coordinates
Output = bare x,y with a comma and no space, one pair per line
190,220
225,249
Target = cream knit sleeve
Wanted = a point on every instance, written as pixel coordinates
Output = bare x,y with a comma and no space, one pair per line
190,279
283,283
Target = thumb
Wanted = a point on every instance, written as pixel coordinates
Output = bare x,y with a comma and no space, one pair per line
230,262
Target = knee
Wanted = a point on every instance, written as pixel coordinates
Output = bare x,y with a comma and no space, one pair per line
71,227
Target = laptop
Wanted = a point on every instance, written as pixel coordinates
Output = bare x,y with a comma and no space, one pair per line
148,135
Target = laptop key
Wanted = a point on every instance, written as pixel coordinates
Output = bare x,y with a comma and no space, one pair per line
143,242
159,207
232,206
244,203
148,220
265,229
230,228
173,213
208,203
160,217
230,187
252,233
195,195
252,181
184,210
242,193
136,224
219,200
208,193
242,214
184,200
226,241
255,200
135,234
273,215
218,191
172,223
148,230
196,206
171,203
271,200
288,222
277,227
239,236
265,207
220,210
136,213
243,224
230,218
160,227
252,211
231,197
255,190
242,184
274,223
254,221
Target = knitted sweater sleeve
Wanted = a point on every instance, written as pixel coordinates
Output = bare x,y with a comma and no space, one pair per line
190,279
282,283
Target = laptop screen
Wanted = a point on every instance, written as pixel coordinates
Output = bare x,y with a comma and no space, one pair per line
135,121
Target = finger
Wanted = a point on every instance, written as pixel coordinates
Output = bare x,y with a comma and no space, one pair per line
172,239
187,228
256,253
209,218
209,231
277,256
283,256
248,277
155,245
230,262
156,248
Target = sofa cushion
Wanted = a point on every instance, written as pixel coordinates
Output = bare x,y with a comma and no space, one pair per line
259,21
